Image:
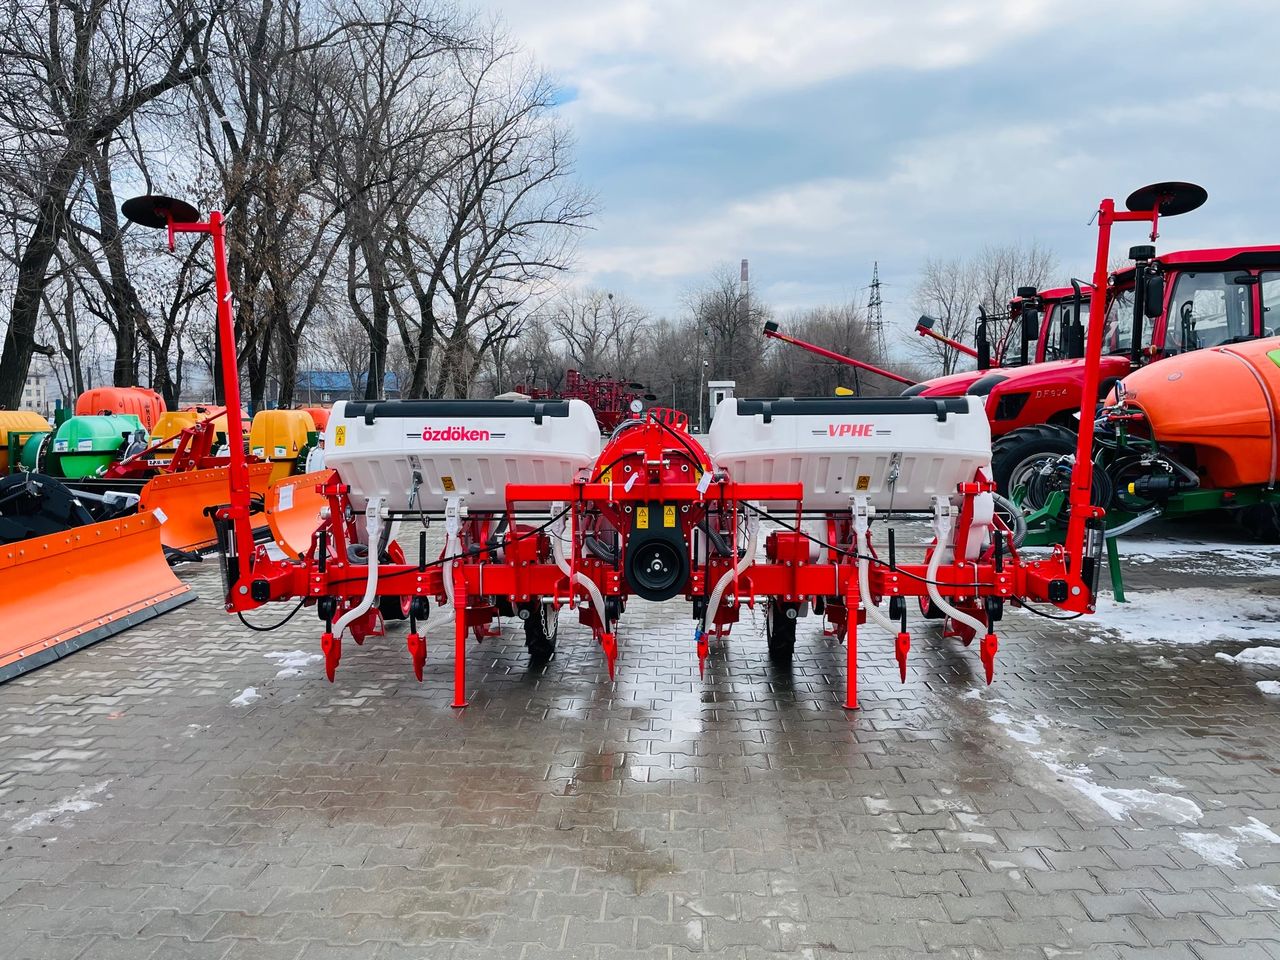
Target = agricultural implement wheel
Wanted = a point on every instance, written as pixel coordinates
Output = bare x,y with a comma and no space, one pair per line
540,632
1261,520
394,608
780,632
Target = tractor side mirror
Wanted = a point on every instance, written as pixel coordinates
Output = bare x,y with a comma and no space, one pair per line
1030,323
1153,296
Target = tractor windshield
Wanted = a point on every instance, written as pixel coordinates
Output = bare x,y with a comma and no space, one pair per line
1119,328
1061,317
1208,309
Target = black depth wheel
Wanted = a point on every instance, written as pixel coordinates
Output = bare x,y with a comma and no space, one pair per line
1261,520
394,608
780,632
540,631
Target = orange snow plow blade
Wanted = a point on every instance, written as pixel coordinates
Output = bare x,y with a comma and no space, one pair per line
67,590
293,510
180,500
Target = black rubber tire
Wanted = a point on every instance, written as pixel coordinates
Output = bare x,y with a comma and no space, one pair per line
1017,446
780,633
1261,521
394,608
540,631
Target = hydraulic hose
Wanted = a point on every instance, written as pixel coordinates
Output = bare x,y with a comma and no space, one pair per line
373,525
1016,515
597,599
861,527
942,531
739,564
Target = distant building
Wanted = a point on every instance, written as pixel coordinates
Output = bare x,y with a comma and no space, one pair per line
35,394
327,386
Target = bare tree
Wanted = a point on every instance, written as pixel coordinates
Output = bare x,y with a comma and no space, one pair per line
951,292
601,331
73,72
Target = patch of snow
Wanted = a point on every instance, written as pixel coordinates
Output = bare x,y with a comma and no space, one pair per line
1202,555
1221,848
1270,687
294,659
1169,783
1193,615
1265,891
1213,848
247,696
1257,830
978,838
1266,656
1024,731
78,802
1122,802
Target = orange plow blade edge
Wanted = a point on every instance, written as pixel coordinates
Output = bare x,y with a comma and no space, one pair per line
67,590
180,500
293,508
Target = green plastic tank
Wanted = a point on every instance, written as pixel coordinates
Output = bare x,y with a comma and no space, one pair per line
84,445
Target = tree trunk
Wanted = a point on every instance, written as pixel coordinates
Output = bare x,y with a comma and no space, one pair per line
33,270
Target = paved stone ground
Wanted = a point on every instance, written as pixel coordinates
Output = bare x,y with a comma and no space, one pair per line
1107,797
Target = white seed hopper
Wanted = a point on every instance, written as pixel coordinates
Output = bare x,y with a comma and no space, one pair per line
470,449
903,450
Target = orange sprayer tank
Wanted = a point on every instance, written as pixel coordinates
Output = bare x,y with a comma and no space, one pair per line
320,416
1223,402
146,405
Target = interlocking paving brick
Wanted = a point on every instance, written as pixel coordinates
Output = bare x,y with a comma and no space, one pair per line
740,814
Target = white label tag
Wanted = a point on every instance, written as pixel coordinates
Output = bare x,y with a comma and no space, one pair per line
704,484
160,515
284,499
280,452
84,445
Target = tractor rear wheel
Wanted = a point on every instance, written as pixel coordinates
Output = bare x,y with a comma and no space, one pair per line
540,631
1018,456
780,632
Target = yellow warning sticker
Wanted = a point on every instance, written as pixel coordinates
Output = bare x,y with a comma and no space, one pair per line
864,482
669,515
642,518
339,436
607,476
447,484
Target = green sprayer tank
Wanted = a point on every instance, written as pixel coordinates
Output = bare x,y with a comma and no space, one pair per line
84,445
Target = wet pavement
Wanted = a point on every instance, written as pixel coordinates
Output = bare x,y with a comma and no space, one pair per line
194,789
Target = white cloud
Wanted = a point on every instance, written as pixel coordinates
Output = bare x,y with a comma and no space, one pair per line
647,58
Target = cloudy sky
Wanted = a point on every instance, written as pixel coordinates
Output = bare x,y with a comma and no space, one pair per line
816,136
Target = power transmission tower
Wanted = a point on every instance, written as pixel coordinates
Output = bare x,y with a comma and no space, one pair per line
875,310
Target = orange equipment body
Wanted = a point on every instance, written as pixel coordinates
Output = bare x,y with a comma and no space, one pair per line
295,510
67,590
146,405
1221,404
319,416
185,499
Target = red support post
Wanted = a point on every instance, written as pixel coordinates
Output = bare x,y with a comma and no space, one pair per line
459,638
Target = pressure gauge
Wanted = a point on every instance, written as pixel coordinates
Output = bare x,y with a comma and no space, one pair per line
637,405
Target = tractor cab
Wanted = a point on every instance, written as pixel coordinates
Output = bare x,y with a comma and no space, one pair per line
1194,299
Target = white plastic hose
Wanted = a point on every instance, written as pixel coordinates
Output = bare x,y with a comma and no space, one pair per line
557,551
942,531
860,528
373,526
739,564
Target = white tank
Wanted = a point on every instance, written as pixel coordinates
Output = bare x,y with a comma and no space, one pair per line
841,447
461,448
